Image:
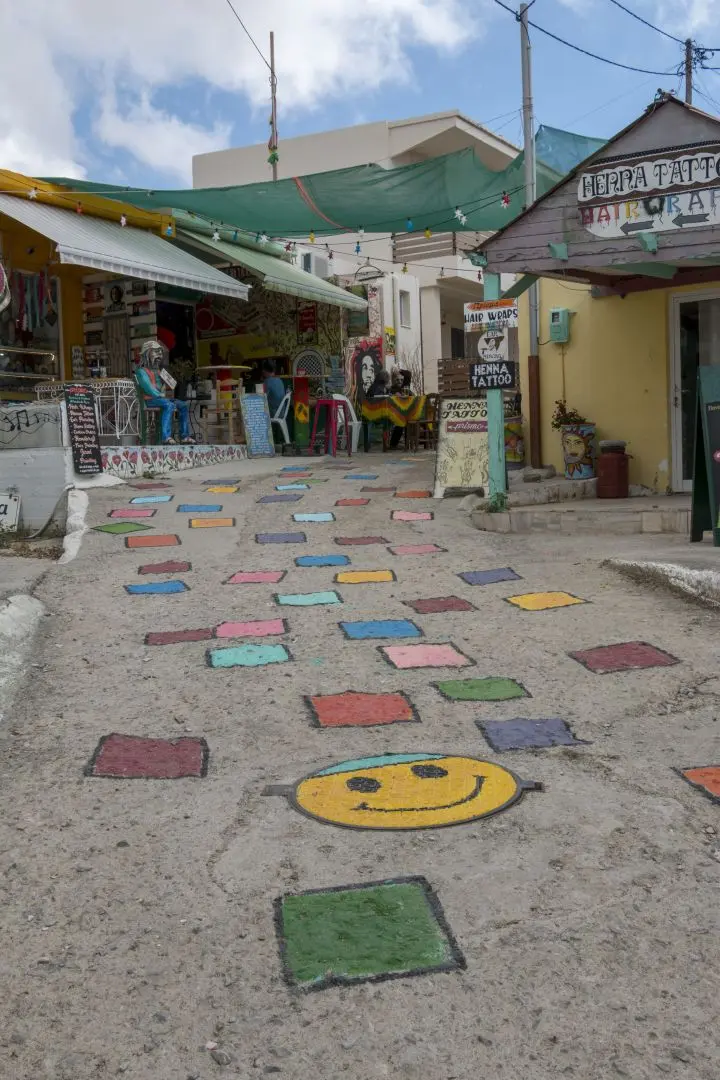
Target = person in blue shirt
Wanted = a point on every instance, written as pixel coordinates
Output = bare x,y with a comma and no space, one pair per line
273,386
152,359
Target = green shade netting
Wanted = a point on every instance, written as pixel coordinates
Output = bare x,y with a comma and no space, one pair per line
369,197
563,150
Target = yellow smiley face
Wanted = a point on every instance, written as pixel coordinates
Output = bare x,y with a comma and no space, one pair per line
407,791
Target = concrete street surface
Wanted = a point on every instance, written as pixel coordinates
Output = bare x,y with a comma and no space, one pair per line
161,928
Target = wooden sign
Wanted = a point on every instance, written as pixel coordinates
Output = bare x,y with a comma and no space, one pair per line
256,421
675,169
483,315
493,375
463,456
83,428
706,473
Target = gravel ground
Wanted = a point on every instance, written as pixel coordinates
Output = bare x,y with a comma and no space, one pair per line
138,915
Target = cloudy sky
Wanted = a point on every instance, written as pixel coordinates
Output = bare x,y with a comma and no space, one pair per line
128,93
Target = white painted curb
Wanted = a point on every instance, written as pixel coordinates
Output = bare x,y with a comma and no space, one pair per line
75,529
19,618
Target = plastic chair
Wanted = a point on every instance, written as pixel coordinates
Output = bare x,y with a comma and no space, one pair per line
280,417
355,424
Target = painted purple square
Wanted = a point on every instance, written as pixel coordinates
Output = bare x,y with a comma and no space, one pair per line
281,538
489,577
280,498
520,734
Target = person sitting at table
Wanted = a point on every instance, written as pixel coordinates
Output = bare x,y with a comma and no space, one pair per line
380,386
273,386
152,360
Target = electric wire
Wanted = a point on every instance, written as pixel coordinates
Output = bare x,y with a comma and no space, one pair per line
252,39
652,26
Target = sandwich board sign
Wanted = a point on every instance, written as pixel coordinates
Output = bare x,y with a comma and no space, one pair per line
705,512
462,461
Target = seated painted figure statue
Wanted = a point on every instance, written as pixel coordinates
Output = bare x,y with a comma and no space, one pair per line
153,357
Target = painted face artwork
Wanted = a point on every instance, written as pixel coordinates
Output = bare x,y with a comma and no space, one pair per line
367,372
575,446
406,791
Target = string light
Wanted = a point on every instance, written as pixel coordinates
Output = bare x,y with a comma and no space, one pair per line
169,231
405,268
505,199
216,236
78,208
428,232
288,246
330,256
311,238
361,232
358,249
123,221
409,225
33,193
263,238
235,236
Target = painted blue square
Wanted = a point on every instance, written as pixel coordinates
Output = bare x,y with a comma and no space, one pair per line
361,476
199,508
523,734
325,516
281,538
289,498
322,560
380,628
143,500
157,587
489,577
294,468
292,487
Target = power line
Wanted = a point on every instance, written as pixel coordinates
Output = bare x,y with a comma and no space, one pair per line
252,39
646,23
578,48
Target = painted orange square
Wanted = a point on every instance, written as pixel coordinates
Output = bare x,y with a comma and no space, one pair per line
351,709
413,494
706,777
152,541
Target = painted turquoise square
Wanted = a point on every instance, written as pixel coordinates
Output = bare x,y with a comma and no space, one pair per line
314,517
322,560
311,599
292,487
141,500
248,656
199,508
380,628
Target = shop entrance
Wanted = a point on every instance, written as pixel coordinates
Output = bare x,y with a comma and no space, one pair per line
695,327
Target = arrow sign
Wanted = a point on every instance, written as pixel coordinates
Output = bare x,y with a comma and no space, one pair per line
636,226
689,219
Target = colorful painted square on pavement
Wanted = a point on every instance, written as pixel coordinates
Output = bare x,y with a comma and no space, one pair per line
410,515
522,734
222,489
415,549
380,628
257,628
358,933
292,487
544,601
705,778
435,604
364,577
359,541
157,588
311,599
156,540
131,512
211,523
256,577
322,560
130,757
379,490
489,577
168,567
353,709
492,688
281,538
627,656
179,637
294,468
199,508
318,480
121,528
352,502
361,476
287,497
147,500
424,656
250,656
413,494
314,518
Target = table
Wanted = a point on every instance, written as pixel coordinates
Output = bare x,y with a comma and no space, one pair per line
396,410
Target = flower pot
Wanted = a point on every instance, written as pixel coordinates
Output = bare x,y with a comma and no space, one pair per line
579,450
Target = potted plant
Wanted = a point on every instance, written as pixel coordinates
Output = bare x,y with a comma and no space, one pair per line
578,441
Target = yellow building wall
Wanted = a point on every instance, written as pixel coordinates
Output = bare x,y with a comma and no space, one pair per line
615,370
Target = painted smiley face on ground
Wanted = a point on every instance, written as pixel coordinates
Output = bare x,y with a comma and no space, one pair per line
407,791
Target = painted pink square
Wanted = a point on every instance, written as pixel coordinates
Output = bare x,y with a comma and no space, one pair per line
415,549
410,515
132,512
261,628
257,577
420,656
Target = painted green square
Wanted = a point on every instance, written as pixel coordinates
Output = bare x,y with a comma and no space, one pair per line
121,527
382,930
491,689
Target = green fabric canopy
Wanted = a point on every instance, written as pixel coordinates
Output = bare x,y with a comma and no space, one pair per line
408,198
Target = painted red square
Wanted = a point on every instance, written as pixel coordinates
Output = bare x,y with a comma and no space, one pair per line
706,778
352,502
440,603
351,709
176,637
628,656
169,567
131,757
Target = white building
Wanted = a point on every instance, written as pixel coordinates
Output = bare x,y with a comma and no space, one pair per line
426,303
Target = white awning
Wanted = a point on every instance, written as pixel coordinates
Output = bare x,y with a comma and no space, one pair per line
125,252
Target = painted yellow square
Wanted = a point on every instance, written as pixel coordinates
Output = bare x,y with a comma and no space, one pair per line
219,490
211,523
541,601
363,577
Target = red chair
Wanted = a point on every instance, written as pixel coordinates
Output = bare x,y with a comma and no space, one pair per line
332,407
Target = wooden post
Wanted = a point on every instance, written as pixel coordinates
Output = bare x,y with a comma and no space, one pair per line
496,415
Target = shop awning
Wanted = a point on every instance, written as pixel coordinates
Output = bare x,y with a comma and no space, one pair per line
112,249
277,274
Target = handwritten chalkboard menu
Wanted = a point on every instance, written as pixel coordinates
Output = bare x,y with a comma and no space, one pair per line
256,421
706,474
84,434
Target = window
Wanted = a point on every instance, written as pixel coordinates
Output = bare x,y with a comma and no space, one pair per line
405,319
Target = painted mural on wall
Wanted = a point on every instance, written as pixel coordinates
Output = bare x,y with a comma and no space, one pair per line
372,318
127,462
365,363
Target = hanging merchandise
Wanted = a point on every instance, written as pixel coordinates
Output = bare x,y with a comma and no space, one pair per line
4,289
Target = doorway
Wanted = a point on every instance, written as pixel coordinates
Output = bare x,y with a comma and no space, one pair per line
695,326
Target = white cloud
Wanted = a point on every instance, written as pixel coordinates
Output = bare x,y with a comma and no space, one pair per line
59,58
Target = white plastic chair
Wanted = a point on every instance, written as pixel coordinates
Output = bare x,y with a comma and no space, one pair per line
355,424
280,417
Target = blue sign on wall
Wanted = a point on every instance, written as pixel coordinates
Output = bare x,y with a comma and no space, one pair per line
256,421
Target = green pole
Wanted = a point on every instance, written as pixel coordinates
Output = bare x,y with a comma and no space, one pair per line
496,418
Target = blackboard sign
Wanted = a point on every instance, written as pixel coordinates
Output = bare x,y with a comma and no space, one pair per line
82,424
493,376
256,421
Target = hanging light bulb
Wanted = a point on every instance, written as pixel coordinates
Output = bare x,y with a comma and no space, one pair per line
358,249
409,225
330,256
78,208
311,238
458,213
404,269
361,232
442,271
235,236
263,238
288,246
428,232
169,231
33,193
216,236
123,221
505,199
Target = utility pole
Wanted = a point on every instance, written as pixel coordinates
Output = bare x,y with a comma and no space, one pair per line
688,71
273,110
530,192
